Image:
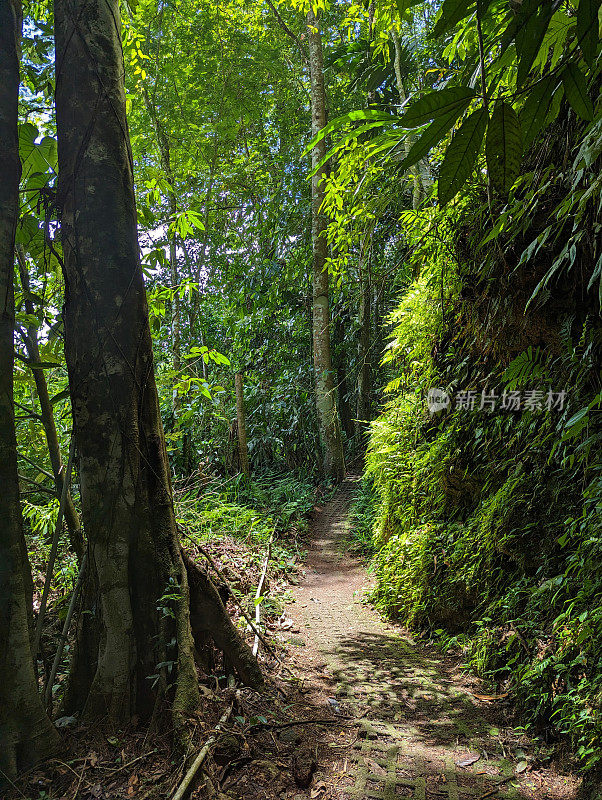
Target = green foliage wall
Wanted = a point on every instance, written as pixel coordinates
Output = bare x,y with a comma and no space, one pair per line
487,529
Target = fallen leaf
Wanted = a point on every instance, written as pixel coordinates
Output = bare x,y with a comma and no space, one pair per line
319,789
471,758
490,698
521,767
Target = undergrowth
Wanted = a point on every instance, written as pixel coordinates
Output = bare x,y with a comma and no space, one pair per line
487,530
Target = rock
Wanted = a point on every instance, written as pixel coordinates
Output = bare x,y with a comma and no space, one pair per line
304,765
290,736
227,748
65,722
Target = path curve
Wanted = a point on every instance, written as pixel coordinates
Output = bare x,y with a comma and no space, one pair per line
423,733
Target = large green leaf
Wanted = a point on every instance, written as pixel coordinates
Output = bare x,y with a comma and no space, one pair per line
403,6
461,155
575,89
588,30
36,157
541,107
532,24
437,104
429,138
452,11
504,147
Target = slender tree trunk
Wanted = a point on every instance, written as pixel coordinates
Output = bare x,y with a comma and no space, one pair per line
419,171
328,419
243,453
341,369
136,568
26,734
30,338
363,381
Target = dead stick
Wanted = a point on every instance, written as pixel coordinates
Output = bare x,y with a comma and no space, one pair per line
63,639
258,594
282,725
188,778
54,548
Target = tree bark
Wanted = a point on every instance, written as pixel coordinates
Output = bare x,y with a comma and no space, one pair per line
328,418
137,587
26,734
243,452
30,338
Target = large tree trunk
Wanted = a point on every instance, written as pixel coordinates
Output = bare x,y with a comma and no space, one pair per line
328,419
26,734
137,589
30,338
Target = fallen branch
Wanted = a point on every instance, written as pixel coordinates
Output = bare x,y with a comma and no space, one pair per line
497,787
258,594
196,764
282,725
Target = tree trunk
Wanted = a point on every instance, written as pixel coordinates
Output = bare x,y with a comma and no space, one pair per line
176,311
419,171
30,338
243,452
341,368
26,734
137,587
328,419
363,381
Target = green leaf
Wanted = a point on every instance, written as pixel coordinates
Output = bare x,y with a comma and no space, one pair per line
403,6
64,395
429,138
437,104
588,31
575,89
533,21
353,116
504,147
538,111
452,11
461,155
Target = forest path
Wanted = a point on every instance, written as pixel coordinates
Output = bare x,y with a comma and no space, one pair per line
423,733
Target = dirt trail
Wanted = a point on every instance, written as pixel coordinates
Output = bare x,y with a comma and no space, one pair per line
423,732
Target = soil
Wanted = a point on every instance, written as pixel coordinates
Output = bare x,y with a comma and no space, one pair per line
424,728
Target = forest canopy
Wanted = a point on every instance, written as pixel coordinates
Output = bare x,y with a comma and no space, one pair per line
248,248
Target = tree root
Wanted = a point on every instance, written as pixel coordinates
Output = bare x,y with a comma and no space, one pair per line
209,616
